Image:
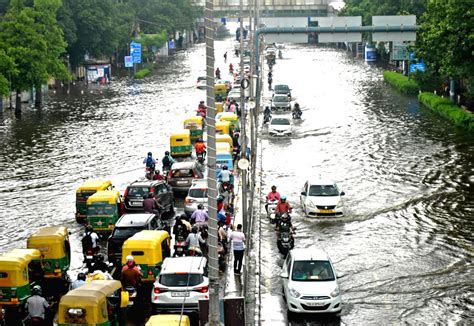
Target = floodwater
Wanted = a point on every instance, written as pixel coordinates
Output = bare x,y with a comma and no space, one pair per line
405,244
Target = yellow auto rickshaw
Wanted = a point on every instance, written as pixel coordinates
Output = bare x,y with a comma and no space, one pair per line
223,127
223,148
232,118
168,320
85,191
223,138
219,107
195,125
104,208
149,248
180,143
220,92
95,303
53,243
20,270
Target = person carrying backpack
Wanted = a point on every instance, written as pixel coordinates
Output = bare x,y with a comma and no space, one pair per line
150,161
167,161
89,240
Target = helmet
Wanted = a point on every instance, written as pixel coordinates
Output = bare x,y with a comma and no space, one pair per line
149,154
81,276
220,198
200,140
36,290
284,216
224,167
194,229
283,198
202,102
274,187
100,257
129,259
200,206
167,153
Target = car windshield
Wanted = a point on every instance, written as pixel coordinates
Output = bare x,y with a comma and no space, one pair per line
181,279
201,78
182,173
312,271
280,122
138,191
126,232
320,190
280,98
197,193
281,88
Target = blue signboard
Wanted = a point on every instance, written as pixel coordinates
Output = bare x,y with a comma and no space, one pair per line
171,44
136,52
223,21
128,61
420,66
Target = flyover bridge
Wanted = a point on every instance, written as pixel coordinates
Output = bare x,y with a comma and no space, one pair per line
272,8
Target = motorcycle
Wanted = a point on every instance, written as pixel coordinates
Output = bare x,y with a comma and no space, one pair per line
267,117
200,158
165,170
132,295
90,258
179,246
194,252
226,187
285,241
271,206
297,114
149,172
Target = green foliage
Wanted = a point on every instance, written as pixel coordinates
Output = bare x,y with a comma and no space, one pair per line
401,83
448,109
446,41
428,80
149,40
7,68
142,73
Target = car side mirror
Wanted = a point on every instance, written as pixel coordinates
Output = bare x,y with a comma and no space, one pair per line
342,193
303,193
284,275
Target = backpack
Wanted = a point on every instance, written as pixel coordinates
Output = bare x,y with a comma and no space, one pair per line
166,161
149,161
87,241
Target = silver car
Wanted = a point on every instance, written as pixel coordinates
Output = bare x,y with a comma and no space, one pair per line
281,103
182,174
197,194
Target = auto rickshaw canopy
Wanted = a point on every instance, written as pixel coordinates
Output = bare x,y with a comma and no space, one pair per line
95,185
145,247
168,320
223,127
104,196
87,304
229,116
49,241
193,120
220,88
222,147
14,266
219,106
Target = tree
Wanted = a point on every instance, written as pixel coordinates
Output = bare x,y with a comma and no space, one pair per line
7,68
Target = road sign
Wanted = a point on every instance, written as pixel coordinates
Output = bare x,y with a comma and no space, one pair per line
243,164
136,52
400,52
339,22
128,61
420,66
387,21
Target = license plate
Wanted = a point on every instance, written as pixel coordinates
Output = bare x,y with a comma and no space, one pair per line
328,211
182,182
315,304
180,294
137,203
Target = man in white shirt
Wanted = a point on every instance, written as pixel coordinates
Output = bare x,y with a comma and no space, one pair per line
238,244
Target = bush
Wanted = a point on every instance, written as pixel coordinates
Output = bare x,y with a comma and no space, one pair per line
448,109
401,83
428,80
142,73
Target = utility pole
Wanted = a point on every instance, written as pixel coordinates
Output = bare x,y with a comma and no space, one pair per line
214,311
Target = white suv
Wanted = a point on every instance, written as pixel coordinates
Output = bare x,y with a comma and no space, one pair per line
181,283
197,194
322,198
310,282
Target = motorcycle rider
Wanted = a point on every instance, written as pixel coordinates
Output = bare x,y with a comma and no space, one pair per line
100,265
224,176
199,216
283,207
185,220
158,176
202,109
296,110
285,224
218,73
81,280
200,148
194,239
179,228
167,161
231,68
36,306
131,273
150,204
273,195
150,162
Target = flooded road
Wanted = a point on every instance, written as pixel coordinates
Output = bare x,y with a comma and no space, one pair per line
405,246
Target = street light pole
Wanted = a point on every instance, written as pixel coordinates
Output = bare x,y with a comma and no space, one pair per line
214,311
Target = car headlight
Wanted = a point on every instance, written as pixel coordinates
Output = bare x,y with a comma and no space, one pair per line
311,204
294,293
336,292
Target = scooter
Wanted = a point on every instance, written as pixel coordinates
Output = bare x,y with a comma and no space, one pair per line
272,204
267,117
149,172
285,242
200,158
194,252
90,258
297,114
179,246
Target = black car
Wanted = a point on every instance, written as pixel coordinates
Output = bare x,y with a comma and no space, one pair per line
133,196
126,227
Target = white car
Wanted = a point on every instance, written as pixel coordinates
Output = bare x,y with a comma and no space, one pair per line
320,198
280,126
181,279
201,82
310,282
